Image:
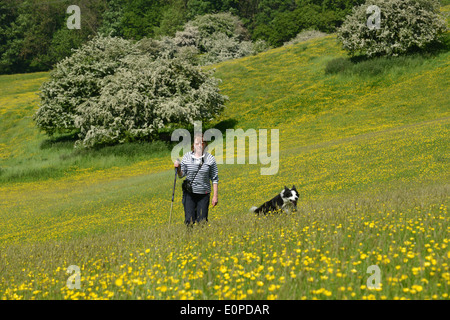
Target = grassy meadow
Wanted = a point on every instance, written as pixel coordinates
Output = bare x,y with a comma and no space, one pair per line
367,147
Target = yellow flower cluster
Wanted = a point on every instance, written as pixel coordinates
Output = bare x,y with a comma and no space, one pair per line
280,258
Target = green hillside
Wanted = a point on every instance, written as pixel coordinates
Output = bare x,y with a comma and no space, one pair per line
368,149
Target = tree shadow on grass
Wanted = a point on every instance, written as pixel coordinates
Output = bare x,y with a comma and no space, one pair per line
63,141
362,65
223,125
133,149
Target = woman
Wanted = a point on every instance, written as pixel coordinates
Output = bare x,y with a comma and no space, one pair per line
199,167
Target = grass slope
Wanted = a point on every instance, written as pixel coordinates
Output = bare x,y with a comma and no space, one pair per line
368,149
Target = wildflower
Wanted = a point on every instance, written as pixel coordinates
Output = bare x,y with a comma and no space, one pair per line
163,288
418,288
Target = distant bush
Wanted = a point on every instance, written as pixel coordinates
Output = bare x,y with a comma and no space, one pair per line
218,37
404,26
224,23
113,90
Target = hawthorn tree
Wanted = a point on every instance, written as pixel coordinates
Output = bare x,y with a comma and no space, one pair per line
403,26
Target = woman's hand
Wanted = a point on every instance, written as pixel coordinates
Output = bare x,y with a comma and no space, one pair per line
215,200
177,165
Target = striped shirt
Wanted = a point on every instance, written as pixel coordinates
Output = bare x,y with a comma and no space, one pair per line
208,171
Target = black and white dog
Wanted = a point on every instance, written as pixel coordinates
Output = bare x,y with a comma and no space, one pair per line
285,200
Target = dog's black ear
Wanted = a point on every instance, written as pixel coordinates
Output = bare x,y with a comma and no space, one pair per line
293,187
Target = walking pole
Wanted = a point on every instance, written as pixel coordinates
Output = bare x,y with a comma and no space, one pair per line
173,195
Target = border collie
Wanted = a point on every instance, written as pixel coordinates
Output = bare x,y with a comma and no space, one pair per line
285,200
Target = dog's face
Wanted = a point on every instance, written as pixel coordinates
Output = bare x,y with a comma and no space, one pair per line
290,195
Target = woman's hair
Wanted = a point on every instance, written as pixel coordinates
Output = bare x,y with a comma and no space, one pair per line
198,135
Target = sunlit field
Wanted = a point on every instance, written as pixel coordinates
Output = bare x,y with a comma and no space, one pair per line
369,153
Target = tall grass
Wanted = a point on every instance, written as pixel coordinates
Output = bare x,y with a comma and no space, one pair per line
322,251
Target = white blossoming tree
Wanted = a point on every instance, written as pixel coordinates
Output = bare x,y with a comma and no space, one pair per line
113,90
218,37
402,25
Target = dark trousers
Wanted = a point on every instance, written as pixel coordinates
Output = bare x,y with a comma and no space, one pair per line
195,207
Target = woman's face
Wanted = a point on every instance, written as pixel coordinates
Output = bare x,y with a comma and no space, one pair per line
199,145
